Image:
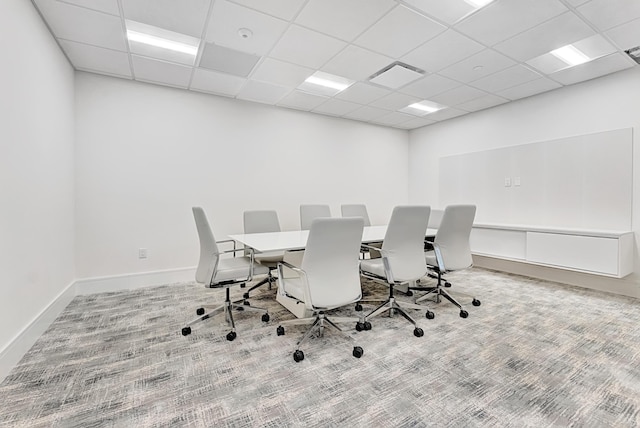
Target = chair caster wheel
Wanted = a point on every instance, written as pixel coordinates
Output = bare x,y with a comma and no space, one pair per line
243,285
246,303
359,326
476,302
245,296
417,332
200,311
231,335
430,315
464,314
358,307
298,356
186,331
409,293
358,352
367,325
265,317
280,330
447,284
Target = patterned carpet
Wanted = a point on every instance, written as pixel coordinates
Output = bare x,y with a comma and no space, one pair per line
535,354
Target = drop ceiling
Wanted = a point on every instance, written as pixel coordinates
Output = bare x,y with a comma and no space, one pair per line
263,50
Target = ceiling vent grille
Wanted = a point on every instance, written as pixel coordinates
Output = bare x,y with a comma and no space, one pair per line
634,53
396,75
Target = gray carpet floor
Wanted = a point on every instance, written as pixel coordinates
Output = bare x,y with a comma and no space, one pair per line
535,354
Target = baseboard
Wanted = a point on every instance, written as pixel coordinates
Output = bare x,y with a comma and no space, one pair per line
18,347
133,281
627,286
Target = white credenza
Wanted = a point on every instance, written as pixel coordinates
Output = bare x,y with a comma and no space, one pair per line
608,253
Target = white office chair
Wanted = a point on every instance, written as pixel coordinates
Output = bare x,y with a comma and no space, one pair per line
328,277
215,271
451,251
310,212
402,260
357,210
263,221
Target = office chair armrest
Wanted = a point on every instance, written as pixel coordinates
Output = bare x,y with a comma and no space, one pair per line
283,283
439,259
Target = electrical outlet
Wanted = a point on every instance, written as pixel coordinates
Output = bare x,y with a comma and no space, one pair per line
507,182
142,253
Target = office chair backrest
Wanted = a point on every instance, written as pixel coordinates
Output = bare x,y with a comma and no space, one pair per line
208,248
261,221
356,210
453,236
310,212
404,241
331,261
435,218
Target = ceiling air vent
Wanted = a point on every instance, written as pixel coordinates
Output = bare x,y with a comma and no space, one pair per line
634,53
396,75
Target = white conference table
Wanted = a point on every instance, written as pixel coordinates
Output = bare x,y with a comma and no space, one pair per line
297,239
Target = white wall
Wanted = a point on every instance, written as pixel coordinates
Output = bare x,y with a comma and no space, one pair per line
146,154
36,170
598,105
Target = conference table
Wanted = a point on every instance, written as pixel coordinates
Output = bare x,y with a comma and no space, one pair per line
292,242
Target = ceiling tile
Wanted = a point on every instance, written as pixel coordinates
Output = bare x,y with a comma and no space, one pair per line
528,89
442,51
606,14
447,113
227,60
302,100
261,92
576,3
336,107
285,9
483,102
429,86
394,118
457,96
399,32
367,113
305,47
83,25
356,63
418,122
477,66
507,78
626,36
228,18
590,70
362,93
162,72
87,57
394,101
107,6
185,17
216,83
503,19
448,11
281,73
354,17
553,34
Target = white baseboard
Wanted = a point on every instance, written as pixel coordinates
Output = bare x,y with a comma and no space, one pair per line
133,281
18,347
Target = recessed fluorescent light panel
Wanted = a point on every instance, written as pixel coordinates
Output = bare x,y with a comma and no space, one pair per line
478,3
422,108
571,55
163,44
320,83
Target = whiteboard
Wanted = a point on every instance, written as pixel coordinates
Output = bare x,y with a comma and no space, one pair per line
581,182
